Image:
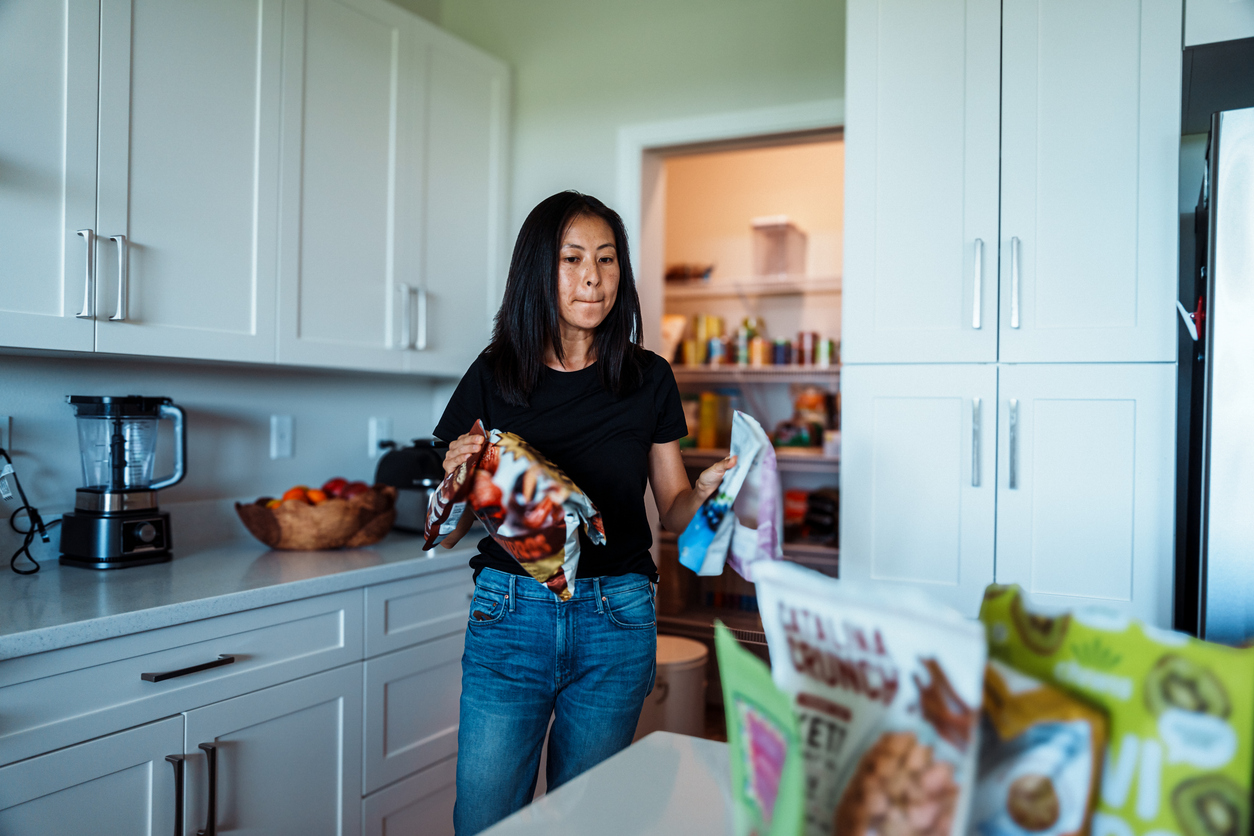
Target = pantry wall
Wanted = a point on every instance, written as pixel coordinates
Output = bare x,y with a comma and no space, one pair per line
746,330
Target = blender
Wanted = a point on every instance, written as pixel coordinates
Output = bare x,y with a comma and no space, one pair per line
116,522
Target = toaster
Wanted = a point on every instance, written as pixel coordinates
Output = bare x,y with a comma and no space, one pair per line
415,471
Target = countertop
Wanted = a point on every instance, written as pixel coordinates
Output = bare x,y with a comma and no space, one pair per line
665,784
62,606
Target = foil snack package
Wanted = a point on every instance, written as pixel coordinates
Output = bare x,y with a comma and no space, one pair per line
767,779
1181,713
887,691
529,506
704,545
1040,758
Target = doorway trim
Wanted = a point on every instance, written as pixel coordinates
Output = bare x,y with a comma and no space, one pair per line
641,149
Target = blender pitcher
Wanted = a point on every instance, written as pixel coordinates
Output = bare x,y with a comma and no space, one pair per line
116,522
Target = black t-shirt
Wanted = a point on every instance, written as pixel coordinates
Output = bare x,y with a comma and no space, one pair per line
600,441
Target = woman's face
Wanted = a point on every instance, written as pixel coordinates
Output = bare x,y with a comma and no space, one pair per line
587,273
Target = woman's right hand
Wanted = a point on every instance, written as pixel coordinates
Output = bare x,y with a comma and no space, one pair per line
461,450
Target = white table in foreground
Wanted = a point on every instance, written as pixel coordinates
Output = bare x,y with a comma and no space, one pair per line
665,784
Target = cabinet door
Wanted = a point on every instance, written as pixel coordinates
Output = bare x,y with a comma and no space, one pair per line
1090,153
917,478
115,784
463,270
1085,485
288,757
412,704
189,104
921,156
48,79
352,112
421,803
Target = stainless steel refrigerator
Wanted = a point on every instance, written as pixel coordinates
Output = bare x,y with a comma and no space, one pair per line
1215,560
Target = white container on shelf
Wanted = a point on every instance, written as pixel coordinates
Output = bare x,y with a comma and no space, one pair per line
677,703
779,247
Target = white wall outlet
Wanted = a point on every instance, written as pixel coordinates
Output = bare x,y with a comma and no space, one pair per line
280,436
380,430
6,431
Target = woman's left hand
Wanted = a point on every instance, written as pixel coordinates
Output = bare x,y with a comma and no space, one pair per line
712,477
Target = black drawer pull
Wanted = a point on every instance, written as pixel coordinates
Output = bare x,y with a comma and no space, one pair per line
161,676
177,760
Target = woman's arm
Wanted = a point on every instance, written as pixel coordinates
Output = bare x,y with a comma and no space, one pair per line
677,501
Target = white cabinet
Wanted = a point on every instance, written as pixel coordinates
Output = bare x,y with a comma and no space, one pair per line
918,484
1084,486
1084,266
49,57
116,784
1210,21
1090,150
921,162
189,167
463,270
420,804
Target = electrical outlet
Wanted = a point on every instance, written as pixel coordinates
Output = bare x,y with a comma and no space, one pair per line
379,431
6,432
280,436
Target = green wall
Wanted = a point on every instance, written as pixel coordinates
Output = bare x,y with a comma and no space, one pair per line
583,68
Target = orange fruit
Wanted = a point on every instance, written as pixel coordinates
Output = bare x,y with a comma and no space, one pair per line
274,503
298,492
316,496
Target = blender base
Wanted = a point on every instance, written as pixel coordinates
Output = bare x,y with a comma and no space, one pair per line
115,541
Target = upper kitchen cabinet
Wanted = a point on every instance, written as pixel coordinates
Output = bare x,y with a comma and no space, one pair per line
49,55
921,145
393,146
1090,146
459,290
188,182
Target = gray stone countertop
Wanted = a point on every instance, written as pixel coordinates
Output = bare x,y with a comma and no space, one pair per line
62,606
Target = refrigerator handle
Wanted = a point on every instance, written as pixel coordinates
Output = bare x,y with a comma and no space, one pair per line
1190,320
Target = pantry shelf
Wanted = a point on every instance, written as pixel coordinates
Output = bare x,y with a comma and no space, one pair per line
756,374
795,459
754,287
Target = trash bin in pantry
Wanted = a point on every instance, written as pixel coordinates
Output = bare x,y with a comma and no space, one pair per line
677,703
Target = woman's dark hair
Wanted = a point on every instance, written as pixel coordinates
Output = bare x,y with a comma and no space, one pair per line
528,323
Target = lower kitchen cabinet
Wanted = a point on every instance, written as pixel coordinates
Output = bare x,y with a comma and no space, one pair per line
288,758
412,700
918,490
420,804
1085,485
115,784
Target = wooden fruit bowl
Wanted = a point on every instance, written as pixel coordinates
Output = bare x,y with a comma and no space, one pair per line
294,525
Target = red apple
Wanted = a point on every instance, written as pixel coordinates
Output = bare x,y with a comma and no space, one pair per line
354,489
335,487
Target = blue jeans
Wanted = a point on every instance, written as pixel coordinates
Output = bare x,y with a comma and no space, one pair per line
589,661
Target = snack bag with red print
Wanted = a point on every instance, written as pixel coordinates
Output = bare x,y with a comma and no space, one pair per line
529,506
887,691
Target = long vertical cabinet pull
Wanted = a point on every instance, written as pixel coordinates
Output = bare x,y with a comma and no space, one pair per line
119,314
1014,282
1013,458
177,761
407,317
89,287
211,814
975,442
421,344
979,285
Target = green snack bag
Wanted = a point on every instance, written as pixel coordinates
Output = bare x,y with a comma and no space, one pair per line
1181,712
766,771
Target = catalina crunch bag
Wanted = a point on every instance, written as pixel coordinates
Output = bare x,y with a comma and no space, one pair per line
529,506
1181,712
887,694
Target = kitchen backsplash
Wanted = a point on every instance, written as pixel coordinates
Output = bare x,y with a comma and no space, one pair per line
228,431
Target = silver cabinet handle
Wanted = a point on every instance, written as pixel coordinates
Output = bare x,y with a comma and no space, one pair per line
979,283
1013,457
975,442
119,315
89,288
1014,282
422,319
407,317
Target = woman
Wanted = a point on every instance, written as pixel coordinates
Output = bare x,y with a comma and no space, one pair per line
565,371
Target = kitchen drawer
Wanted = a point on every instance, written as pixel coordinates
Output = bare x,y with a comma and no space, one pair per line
415,610
412,702
54,699
421,803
